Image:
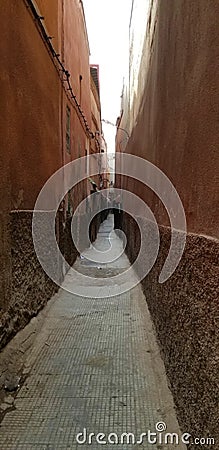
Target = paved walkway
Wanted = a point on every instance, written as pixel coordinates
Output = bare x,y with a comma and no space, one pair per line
96,366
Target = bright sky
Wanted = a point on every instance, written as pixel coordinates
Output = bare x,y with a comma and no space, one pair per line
108,33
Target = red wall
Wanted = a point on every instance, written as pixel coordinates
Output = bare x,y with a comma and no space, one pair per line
51,11
76,53
177,127
33,106
30,90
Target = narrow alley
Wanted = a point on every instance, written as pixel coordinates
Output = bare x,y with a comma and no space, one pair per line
109,237
94,365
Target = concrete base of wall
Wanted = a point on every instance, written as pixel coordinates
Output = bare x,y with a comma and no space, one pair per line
30,286
184,310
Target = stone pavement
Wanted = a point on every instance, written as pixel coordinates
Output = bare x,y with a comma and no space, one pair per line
95,365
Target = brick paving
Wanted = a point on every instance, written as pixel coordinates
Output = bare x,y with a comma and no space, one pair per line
95,366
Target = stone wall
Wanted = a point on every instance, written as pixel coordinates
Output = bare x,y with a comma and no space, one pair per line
171,117
184,310
33,111
30,286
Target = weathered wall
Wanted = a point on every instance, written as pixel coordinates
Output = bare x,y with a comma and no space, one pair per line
177,125
29,90
96,161
52,11
29,106
5,244
76,53
174,124
33,138
30,286
185,313
75,50
95,107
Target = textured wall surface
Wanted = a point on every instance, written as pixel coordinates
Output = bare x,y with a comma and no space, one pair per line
173,123
76,53
30,287
185,312
33,139
29,111
176,125
51,11
30,90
